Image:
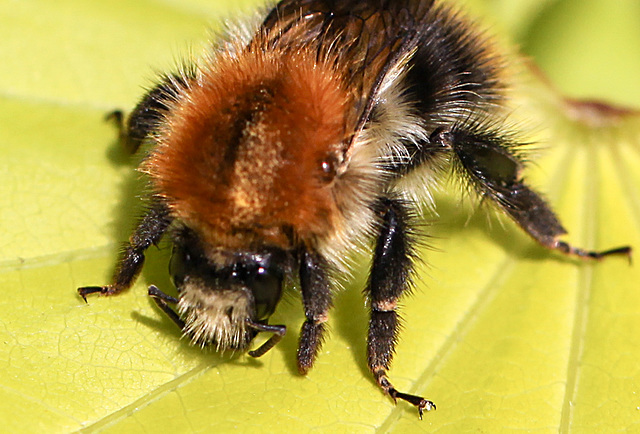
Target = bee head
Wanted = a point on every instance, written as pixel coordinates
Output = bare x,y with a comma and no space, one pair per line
222,291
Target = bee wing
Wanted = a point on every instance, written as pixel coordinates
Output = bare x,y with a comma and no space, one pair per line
374,39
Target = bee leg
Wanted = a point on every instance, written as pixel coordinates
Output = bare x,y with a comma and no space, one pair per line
278,333
491,165
148,114
390,276
316,296
117,117
149,231
162,301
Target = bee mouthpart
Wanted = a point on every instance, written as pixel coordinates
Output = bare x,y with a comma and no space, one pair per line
214,315
278,333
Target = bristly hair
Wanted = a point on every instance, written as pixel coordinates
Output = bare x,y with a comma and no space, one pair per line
249,93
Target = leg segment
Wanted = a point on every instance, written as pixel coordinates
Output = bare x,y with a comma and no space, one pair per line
147,116
149,231
490,163
316,296
162,301
390,277
278,333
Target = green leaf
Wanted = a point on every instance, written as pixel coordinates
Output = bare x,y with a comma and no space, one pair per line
501,334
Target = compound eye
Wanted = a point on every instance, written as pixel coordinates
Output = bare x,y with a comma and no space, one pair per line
267,289
179,266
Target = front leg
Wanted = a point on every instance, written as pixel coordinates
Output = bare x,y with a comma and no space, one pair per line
390,277
316,296
149,231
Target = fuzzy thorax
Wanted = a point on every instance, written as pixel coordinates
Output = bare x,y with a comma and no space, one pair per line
250,148
216,316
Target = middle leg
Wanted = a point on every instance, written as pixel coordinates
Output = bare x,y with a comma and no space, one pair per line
390,277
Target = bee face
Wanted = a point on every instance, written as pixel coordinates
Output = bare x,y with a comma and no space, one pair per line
222,292
275,155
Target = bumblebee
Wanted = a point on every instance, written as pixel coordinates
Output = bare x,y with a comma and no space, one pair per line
314,132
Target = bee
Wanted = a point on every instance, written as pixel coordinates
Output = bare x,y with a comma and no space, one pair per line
315,133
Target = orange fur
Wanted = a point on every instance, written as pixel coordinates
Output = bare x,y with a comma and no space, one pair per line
250,150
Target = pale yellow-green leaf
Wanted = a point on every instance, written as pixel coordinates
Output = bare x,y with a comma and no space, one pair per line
501,334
